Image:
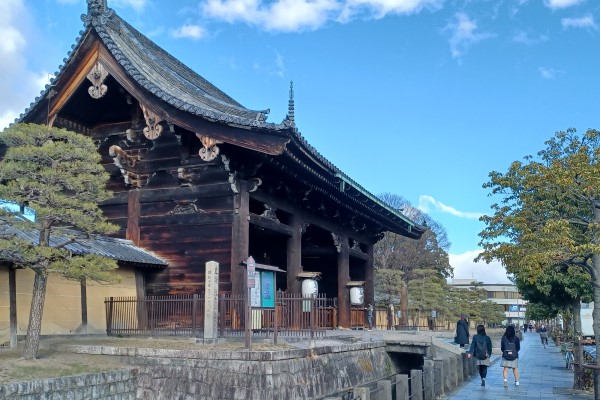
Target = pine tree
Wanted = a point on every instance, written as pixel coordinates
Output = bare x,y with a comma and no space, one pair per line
58,175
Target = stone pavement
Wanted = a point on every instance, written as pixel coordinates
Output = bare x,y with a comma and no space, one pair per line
542,375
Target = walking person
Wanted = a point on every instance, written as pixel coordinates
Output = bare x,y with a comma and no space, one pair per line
481,349
510,346
370,316
543,335
390,316
462,331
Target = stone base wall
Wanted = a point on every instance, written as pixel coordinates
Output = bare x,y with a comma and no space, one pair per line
115,385
294,374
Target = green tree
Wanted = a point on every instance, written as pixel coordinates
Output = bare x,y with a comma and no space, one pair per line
387,284
426,292
492,313
58,174
550,213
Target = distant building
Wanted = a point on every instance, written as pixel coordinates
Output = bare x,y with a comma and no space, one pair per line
505,294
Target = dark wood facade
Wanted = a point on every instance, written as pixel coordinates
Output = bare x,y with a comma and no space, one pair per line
197,177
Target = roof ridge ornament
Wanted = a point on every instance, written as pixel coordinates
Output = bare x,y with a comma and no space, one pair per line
98,12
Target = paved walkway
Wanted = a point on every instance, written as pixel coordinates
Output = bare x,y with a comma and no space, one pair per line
542,375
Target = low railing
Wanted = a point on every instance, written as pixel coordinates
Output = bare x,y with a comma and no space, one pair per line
293,315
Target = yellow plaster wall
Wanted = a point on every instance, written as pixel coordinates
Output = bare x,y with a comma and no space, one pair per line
62,310
4,311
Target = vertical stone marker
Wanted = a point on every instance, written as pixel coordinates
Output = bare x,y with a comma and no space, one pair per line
211,300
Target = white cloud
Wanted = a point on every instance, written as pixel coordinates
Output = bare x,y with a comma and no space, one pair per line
463,34
556,4
427,202
549,73
381,8
582,22
529,39
300,15
137,5
189,31
466,268
282,15
16,77
279,65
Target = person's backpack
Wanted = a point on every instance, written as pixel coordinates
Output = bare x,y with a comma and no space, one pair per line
480,351
510,351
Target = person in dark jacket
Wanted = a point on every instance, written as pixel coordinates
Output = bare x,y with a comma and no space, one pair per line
462,331
508,362
482,364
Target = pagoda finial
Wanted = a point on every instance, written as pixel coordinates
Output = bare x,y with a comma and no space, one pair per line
290,115
97,9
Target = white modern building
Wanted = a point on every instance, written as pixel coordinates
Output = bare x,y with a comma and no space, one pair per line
505,294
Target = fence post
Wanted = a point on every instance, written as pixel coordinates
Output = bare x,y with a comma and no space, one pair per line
194,312
276,318
312,319
109,312
222,315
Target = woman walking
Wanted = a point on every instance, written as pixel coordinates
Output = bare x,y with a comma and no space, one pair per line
510,346
481,349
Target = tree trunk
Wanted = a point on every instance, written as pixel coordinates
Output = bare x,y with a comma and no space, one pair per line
576,309
596,320
32,342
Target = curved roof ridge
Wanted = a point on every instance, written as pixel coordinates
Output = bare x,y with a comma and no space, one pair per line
338,173
184,72
117,45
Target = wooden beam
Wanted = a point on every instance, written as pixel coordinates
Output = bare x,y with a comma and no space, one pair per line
84,313
369,287
200,191
133,217
214,217
343,261
307,217
12,306
84,68
358,254
270,225
240,237
294,255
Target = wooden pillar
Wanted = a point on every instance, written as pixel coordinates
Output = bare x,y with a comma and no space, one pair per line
12,306
369,277
294,255
240,236
343,262
84,314
133,217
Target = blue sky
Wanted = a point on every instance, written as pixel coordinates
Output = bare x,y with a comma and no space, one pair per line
422,98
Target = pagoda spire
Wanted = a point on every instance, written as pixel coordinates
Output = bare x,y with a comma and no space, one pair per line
290,115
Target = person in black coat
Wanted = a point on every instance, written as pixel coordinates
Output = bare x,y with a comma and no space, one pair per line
462,331
482,363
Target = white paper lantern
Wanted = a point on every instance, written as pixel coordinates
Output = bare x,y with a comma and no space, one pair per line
310,288
357,295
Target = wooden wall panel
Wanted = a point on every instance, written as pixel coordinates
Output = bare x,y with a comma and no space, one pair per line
187,247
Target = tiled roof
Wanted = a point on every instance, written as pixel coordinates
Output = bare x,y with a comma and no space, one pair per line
117,249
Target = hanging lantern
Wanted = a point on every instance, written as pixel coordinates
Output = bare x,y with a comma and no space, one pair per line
357,295
310,288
